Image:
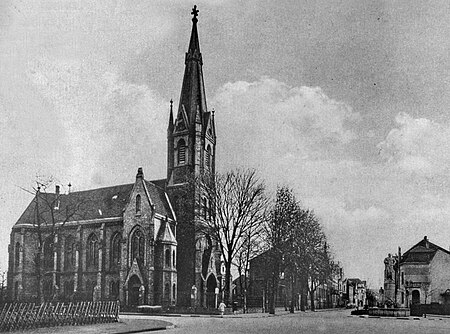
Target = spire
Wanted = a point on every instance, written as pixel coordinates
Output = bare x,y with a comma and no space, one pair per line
193,99
170,127
194,45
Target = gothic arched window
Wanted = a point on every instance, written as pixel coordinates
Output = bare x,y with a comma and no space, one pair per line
138,203
137,246
114,290
92,251
205,208
208,157
17,254
167,258
48,253
174,292
173,258
69,253
115,251
181,151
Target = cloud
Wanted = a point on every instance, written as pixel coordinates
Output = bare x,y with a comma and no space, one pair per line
275,123
417,146
104,122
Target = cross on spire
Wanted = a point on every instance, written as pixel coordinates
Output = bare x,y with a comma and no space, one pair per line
194,13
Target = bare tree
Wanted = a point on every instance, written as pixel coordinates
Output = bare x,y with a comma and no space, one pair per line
252,245
3,280
51,211
238,205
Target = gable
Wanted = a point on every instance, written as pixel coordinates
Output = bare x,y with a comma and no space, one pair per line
182,121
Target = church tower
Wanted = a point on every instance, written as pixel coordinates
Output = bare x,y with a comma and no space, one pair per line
191,140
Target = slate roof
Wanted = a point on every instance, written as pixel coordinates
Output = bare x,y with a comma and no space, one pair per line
92,204
422,252
165,234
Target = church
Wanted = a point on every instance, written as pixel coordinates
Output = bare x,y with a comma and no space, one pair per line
139,243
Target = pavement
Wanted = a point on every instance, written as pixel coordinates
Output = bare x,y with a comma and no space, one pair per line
143,323
140,323
124,326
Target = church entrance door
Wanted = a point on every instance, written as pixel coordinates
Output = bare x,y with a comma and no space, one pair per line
133,290
416,297
211,285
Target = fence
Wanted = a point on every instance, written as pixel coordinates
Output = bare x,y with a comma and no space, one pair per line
21,316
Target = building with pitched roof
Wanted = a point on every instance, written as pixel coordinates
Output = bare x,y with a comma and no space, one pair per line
422,275
138,243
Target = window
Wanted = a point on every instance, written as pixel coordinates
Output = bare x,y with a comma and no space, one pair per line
137,246
114,290
138,203
48,253
174,292
403,278
208,157
167,258
69,253
173,258
181,151
16,290
115,251
17,254
92,252
205,208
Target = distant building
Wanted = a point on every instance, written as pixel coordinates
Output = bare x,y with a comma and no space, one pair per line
424,275
354,292
327,295
260,278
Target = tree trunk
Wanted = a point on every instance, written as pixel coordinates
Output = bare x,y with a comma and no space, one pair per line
272,294
311,295
292,306
227,290
303,300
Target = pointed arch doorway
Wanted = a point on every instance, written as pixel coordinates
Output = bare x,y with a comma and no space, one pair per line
211,285
134,285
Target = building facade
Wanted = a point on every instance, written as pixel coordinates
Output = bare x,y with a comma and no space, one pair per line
138,243
354,292
424,275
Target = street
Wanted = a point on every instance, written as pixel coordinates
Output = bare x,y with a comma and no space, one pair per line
312,322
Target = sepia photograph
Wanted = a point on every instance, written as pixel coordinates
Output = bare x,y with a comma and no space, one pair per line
224,166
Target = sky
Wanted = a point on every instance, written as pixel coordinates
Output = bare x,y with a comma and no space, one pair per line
346,102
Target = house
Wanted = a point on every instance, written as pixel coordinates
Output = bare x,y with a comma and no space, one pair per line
424,275
354,292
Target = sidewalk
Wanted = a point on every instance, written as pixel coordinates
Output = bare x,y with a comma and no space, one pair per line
126,326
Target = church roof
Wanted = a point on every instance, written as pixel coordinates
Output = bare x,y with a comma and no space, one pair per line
92,204
422,252
165,233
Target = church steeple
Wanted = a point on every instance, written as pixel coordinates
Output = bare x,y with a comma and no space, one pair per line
191,151
193,99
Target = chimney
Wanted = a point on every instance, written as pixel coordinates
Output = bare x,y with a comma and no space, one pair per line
57,202
426,241
69,185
